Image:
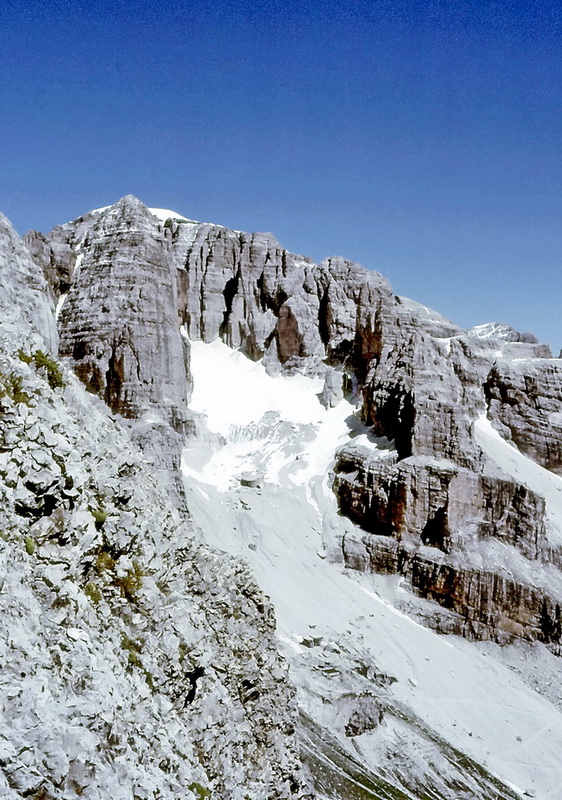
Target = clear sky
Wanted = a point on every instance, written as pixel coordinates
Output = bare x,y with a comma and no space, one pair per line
422,139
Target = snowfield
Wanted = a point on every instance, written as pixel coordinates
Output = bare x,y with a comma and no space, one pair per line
344,638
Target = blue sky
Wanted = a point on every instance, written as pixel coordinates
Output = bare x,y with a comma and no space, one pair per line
422,139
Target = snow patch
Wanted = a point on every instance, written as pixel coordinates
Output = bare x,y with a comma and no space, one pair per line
233,391
525,471
60,303
165,213
161,213
273,427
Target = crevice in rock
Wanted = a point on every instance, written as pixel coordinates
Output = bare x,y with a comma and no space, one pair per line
114,377
229,293
436,531
193,677
324,319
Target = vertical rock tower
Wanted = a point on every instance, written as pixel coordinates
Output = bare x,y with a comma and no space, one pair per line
119,320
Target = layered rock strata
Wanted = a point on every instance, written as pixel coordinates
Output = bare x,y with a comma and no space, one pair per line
437,491
245,288
24,295
119,321
119,324
423,382
524,400
479,603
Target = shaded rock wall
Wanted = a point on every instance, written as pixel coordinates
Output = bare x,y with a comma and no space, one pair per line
24,293
484,604
437,503
256,295
57,260
119,322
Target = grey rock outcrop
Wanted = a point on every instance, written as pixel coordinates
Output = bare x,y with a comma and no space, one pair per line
119,323
524,400
24,289
244,288
270,303
137,661
477,603
57,259
426,386
438,503
135,279
497,330
333,390
439,525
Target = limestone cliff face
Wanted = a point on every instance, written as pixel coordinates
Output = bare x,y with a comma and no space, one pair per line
137,661
256,295
119,321
24,289
245,288
437,503
476,603
57,259
525,401
136,277
436,490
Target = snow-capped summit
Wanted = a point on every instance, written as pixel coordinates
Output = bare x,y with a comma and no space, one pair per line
498,330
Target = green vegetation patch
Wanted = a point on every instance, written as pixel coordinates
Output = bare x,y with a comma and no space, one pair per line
43,361
12,386
133,648
199,791
93,591
129,584
100,515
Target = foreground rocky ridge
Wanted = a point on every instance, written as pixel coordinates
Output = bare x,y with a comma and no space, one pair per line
137,662
424,384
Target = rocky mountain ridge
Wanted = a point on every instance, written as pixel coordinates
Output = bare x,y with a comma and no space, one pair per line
421,472
137,662
423,381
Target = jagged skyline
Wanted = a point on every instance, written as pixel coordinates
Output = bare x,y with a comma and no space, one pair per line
417,140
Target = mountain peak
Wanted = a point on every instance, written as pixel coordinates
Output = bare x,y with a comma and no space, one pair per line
130,204
129,201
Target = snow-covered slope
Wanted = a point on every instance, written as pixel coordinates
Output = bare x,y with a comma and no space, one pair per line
353,654
162,214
